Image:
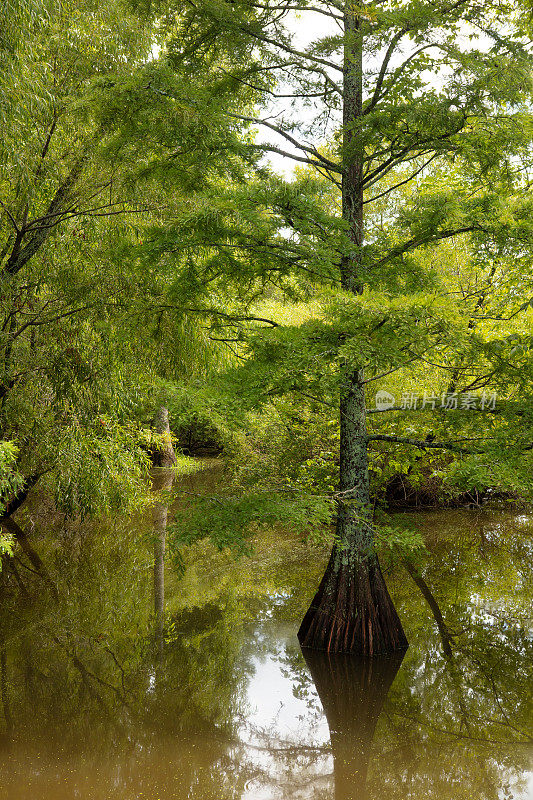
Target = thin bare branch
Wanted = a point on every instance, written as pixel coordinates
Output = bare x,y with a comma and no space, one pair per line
402,183
11,217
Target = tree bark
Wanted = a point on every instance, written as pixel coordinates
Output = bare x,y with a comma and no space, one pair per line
352,612
163,453
23,251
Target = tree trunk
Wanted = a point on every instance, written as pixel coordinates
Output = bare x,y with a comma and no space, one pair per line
352,611
163,453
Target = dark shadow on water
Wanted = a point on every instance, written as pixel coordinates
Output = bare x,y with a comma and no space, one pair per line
352,691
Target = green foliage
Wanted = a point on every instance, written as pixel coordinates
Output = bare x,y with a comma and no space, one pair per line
400,538
288,446
445,137
10,479
100,470
186,466
6,546
213,284
229,522
509,474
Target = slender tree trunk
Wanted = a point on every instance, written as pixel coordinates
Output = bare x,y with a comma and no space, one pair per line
163,453
352,611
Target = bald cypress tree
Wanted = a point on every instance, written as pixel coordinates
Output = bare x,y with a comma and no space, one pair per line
380,96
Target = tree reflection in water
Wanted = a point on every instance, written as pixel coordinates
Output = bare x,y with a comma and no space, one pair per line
352,692
161,482
85,713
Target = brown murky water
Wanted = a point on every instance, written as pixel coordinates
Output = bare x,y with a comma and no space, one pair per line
228,706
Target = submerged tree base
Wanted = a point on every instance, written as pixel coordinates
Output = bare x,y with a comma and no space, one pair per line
352,611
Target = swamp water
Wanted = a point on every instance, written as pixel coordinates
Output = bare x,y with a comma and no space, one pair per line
221,704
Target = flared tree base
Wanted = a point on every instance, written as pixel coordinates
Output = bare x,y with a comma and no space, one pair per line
352,611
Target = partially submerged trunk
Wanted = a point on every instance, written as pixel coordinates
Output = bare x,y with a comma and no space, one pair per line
352,611
352,692
162,452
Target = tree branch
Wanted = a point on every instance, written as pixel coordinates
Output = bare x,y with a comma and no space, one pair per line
288,49
305,148
423,443
412,244
385,63
402,183
11,217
